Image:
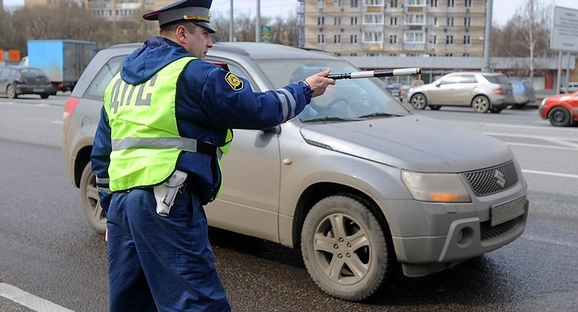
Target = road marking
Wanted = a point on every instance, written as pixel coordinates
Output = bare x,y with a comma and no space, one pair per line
29,300
563,175
543,146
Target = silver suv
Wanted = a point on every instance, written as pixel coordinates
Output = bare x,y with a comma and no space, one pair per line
361,185
482,91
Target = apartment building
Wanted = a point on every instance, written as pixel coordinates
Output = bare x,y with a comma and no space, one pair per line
395,27
113,10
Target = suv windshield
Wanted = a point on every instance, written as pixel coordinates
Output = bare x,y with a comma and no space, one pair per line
348,99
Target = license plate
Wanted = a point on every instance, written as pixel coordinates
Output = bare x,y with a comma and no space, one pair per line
507,211
38,90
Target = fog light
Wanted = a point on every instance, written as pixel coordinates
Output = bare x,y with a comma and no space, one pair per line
465,237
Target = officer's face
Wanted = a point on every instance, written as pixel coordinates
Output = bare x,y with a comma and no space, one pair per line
198,42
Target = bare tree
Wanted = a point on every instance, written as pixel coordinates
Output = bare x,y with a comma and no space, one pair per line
527,34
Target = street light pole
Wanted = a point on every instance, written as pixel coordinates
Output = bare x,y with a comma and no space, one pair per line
488,37
258,22
231,34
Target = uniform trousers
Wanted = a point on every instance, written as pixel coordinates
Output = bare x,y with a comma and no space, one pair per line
161,263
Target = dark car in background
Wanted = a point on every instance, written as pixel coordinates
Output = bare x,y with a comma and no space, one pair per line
362,186
524,93
16,80
561,110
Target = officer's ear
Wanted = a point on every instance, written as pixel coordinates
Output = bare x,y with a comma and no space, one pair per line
181,33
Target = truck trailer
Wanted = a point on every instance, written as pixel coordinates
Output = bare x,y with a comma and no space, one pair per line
62,60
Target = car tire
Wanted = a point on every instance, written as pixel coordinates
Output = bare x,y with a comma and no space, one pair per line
481,104
364,246
418,101
44,96
11,92
90,200
559,117
435,107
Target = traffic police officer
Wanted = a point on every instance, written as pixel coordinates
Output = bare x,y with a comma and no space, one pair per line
163,128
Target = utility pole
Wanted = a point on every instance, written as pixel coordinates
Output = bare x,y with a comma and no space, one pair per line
488,37
231,34
258,22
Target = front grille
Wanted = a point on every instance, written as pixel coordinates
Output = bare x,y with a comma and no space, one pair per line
492,180
488,231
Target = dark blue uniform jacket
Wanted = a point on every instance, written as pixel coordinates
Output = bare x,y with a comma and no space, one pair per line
206,106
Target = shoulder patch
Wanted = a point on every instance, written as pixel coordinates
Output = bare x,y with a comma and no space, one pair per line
235,82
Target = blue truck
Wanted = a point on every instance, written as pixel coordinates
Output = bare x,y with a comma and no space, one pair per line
62,60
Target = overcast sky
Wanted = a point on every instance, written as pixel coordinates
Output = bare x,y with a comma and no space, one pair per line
503,9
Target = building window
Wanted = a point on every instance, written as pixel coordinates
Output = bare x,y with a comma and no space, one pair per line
451,3
433,21
467,21
320,20
373,2
320,4
353,38
372,54
393,20
337,20
449,39
373,37
433,3
449,54
450,21
354,20
467,39
414,37
416,2
466,55
393,4
375,19
337,3
433,39
393,39
337,39
468,3
354,3
415,19
320,38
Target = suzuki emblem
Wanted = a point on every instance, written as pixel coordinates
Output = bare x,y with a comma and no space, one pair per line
500,178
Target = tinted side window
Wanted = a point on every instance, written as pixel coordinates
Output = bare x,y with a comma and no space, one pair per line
450,80
103,77
468,79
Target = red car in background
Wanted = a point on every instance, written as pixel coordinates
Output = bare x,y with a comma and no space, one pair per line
561,110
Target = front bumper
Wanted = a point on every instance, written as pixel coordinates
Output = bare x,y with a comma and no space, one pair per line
431,237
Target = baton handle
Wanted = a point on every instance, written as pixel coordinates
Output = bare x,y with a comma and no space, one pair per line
377,73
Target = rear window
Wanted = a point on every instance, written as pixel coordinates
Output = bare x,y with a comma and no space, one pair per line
31,72
499,79
515,84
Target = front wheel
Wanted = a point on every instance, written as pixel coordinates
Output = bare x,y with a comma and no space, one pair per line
418,101
11,92
90,201
559,117
347,252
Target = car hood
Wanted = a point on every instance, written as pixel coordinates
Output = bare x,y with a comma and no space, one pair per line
411,142
561,97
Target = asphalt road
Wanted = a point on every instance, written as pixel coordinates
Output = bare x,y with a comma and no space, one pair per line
50,256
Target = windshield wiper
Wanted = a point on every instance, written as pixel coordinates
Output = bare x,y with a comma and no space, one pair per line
379,115
329,118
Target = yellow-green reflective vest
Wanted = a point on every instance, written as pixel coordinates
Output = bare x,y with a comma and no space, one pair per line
144,133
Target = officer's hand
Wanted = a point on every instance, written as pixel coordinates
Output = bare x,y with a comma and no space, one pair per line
319,82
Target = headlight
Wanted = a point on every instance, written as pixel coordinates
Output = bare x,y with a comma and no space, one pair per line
543,102
435,187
